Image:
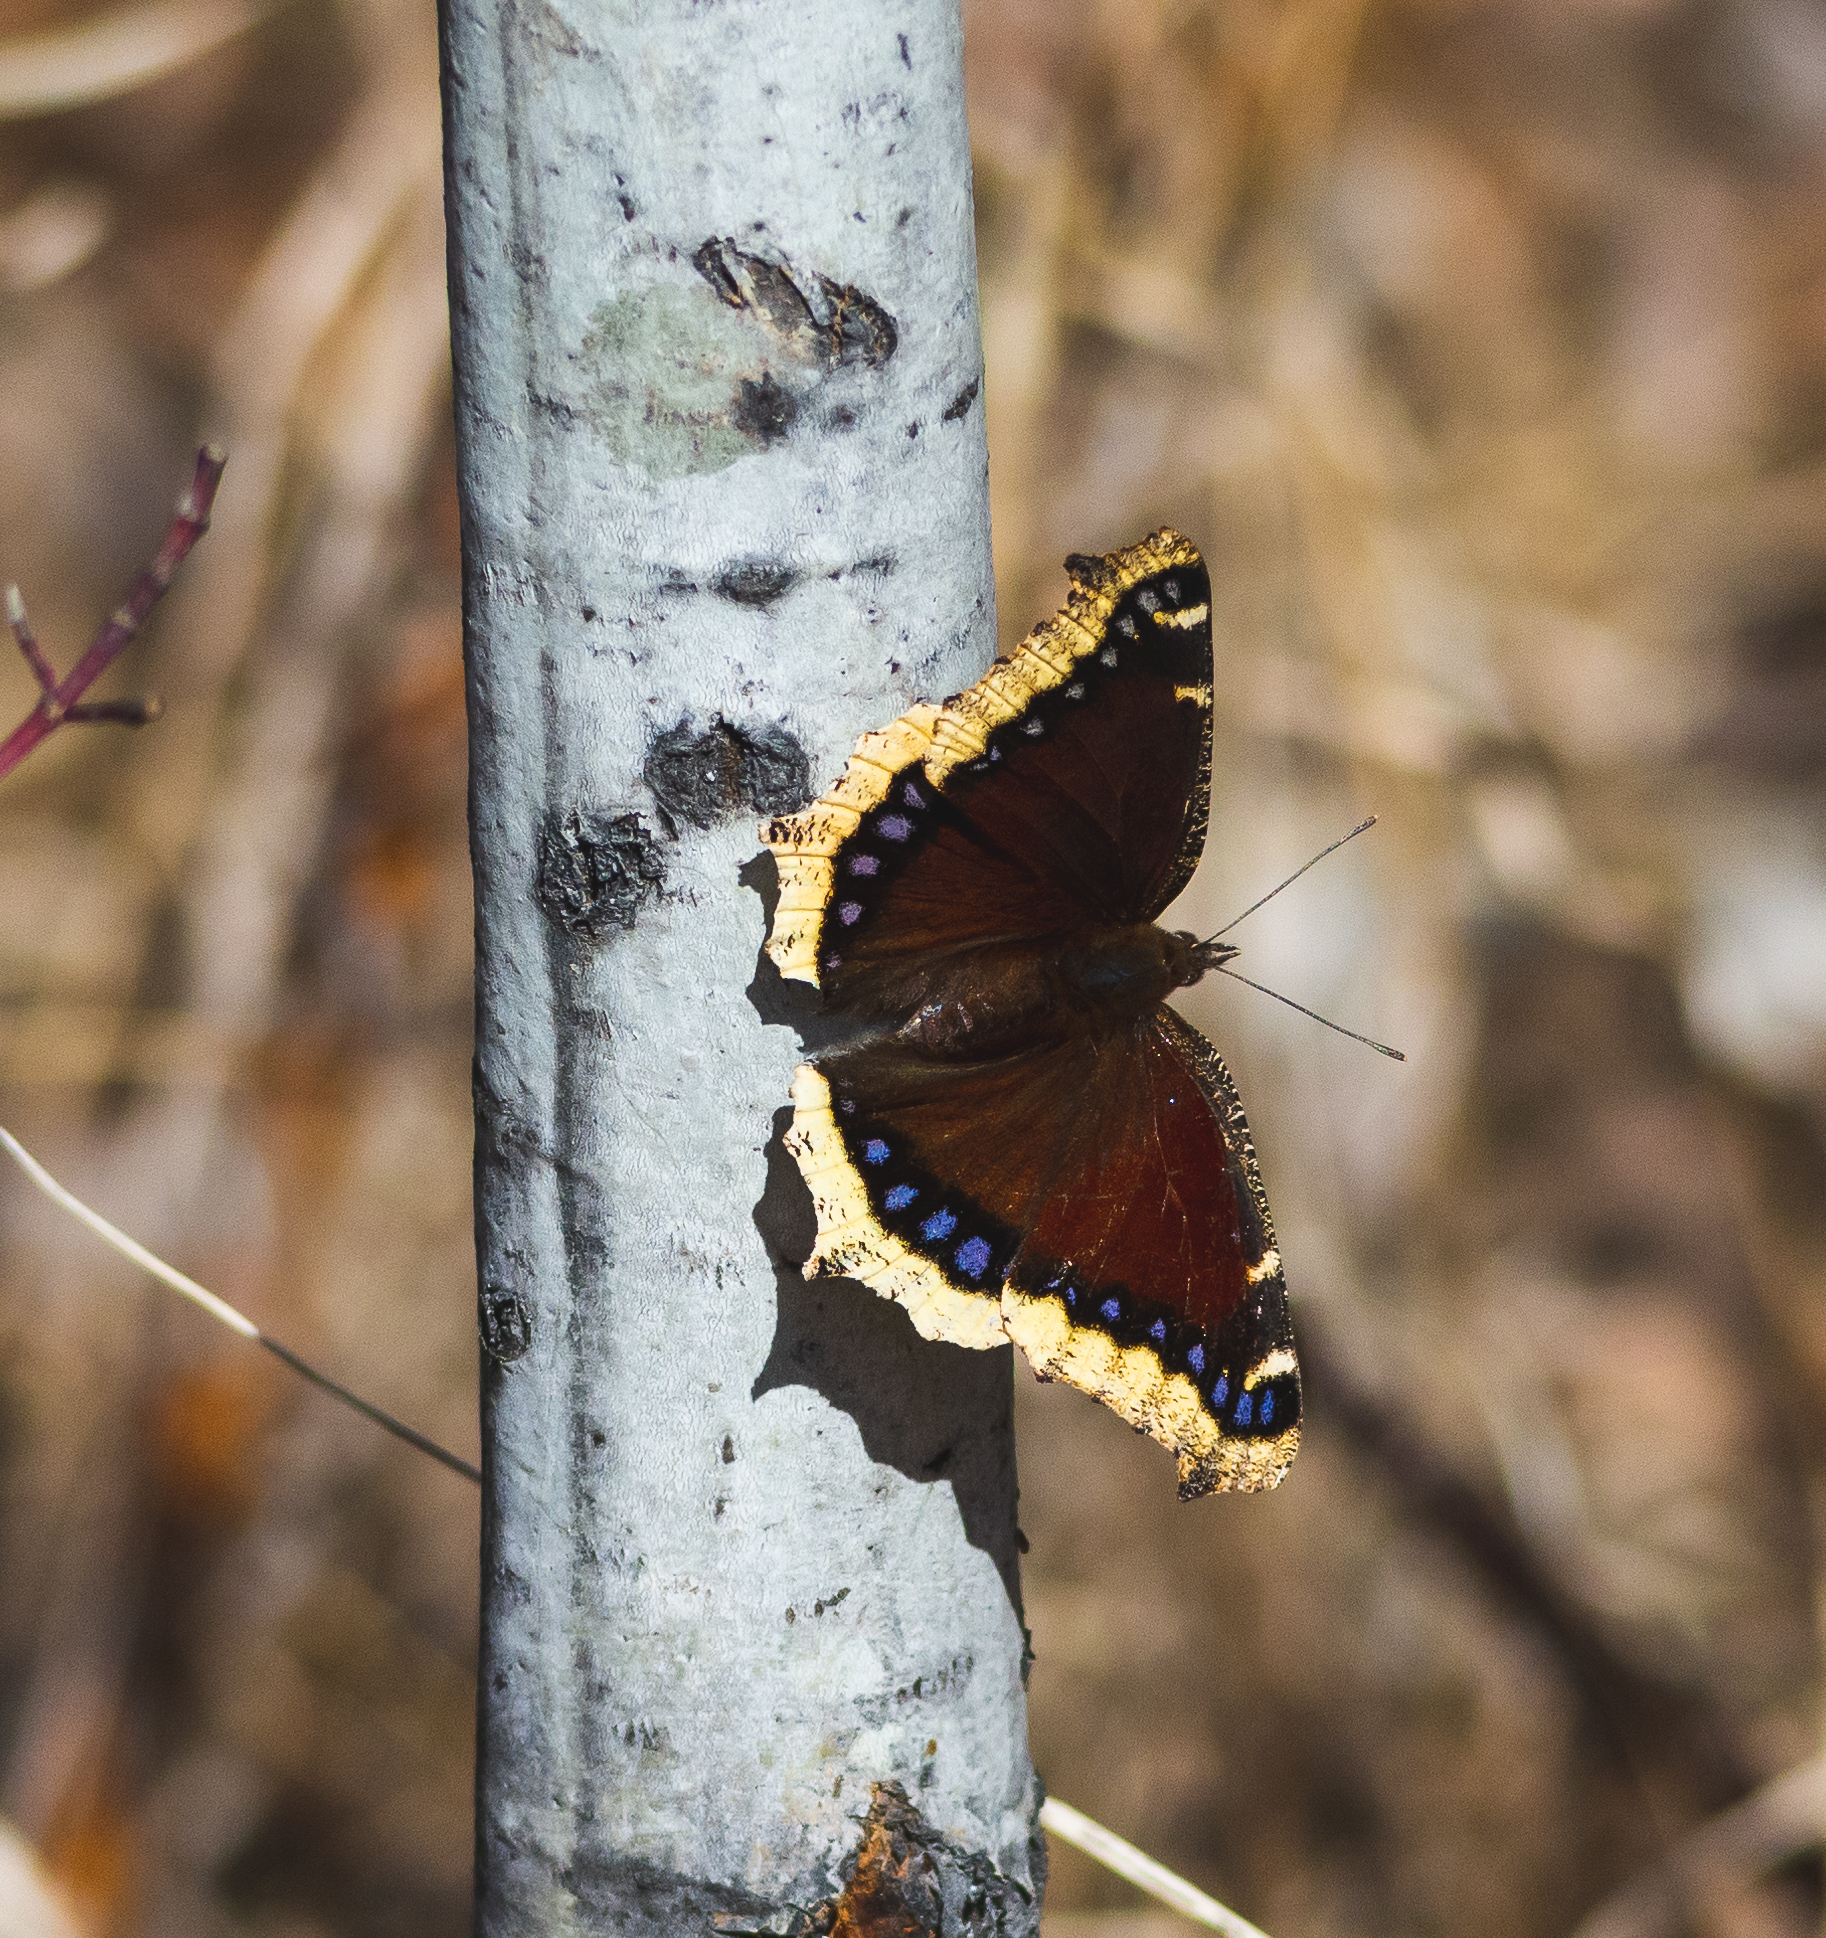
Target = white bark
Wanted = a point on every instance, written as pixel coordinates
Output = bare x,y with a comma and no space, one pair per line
749,1545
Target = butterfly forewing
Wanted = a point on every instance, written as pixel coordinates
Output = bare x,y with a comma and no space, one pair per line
1099,787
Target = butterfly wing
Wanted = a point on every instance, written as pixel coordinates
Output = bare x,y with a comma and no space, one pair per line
1149,1276
1127,1249
1070,785
885,1138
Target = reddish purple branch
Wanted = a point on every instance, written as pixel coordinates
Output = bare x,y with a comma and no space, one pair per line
58,701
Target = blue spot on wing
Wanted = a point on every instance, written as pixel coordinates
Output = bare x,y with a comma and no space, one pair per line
1245,1407
875,1151
1111,1308
1158,1331
1196,1359
900,1196
1221,1391
940,1225
973,1257
1267,1412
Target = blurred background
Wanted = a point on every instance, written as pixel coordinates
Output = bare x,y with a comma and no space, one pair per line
1482,345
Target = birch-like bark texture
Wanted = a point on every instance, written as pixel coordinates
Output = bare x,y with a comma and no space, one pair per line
749,1547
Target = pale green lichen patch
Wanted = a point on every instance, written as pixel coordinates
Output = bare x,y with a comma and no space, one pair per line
684,380
668,366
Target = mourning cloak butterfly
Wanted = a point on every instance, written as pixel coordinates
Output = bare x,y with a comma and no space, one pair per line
1028,1143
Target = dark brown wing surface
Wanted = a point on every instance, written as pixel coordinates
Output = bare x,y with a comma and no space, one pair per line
1149,1274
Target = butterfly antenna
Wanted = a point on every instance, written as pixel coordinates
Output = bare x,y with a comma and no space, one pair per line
1291,879
1400,1056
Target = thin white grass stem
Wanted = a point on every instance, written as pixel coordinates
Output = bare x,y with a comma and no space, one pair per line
222,1310
127,1247
1117,1854
1060,1819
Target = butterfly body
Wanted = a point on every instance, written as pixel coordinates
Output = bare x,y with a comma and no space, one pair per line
1014,995
1026,1142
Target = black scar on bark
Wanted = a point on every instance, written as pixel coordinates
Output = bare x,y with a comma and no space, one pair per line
506,1323
704,778
819,325
764,410
906,1879
755,582
594,871
902,1878
959,406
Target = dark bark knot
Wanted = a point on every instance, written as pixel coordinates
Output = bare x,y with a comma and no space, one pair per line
704,778
506,1324
810,327
595,871
678,378
755,582
959,406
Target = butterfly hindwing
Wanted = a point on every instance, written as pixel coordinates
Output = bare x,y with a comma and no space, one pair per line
1150,1276
1127,1250
887,1141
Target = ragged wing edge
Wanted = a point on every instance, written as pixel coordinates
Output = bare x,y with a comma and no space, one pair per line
805,845
1167,1406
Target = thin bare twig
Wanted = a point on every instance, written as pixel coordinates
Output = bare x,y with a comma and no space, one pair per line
221,1310
58,699
17,618
1767,1828
98,59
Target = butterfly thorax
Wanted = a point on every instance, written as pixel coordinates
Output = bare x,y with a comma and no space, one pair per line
1018,995
1122,972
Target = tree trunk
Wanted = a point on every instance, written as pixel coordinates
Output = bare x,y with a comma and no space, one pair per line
751,1642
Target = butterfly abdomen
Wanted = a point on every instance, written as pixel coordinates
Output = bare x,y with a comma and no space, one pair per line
990,1002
